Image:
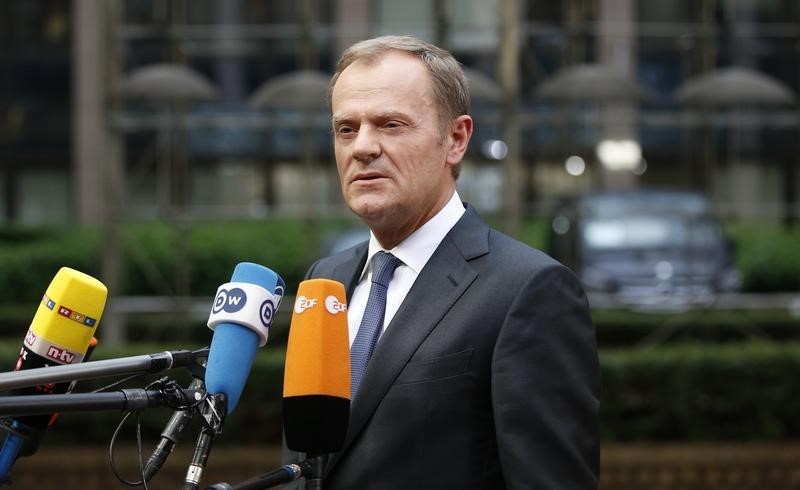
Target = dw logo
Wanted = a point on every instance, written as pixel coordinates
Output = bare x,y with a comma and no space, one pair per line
229,301
267,311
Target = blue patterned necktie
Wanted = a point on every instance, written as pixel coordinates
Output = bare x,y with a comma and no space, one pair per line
383,266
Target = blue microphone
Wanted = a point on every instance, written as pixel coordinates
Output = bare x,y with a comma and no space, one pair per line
241,315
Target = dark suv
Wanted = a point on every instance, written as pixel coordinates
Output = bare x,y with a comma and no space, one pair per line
645,249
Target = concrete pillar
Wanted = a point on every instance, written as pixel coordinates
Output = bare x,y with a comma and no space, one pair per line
617,48
96,160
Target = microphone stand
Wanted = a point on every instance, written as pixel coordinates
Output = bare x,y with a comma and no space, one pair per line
127,399
123,400
213,414
147,363
169,436
317,463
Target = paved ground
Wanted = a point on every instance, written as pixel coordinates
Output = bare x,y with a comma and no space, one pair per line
624,467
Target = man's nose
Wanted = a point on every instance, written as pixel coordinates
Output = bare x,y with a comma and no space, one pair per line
366,146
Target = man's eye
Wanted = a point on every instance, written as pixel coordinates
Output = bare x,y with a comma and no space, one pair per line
345,130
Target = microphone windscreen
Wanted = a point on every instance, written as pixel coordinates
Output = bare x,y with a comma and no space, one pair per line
67,317
234,344
316,385
61,332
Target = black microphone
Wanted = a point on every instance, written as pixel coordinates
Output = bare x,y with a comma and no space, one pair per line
285,474
169,436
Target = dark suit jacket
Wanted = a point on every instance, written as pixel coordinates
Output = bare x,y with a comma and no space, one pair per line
487,377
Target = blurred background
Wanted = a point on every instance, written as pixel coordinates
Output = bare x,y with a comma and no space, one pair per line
653,147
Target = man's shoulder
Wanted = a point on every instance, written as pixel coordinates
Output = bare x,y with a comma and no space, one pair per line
473,228
325,266
501,242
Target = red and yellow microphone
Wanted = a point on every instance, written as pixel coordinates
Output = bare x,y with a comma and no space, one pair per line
316,386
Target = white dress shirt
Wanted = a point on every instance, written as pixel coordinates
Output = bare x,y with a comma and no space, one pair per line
414,251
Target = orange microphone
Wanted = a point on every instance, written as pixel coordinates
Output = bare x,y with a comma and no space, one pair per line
316,385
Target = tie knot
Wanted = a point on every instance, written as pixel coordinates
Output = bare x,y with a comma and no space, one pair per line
383,266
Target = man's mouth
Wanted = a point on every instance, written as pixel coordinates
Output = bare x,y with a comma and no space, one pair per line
367,177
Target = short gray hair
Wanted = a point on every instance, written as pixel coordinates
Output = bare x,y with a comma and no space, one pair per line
448,83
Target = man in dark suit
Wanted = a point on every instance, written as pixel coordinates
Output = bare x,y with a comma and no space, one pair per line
485,374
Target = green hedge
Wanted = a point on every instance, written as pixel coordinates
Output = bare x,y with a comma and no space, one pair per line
152,254
30,258
734,392
153,251
769,257
623,328
737,392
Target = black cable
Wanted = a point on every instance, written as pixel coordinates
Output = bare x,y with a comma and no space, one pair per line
111,451
177,399
139,450
116,383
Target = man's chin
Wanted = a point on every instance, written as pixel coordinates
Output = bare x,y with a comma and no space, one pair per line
368,210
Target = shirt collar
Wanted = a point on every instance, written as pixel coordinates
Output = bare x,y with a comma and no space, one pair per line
418,247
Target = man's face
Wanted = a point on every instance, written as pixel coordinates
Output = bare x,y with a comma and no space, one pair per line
393,160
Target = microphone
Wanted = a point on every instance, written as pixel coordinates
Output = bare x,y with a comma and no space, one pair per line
60,333
285,474
316,383
169,436
241,315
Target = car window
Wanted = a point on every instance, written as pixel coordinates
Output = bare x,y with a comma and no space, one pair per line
648,232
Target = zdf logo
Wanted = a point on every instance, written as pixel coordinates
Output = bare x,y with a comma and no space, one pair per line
334,306
229,301
302,303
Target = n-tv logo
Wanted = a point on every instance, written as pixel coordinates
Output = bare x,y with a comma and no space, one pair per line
61,355
229,301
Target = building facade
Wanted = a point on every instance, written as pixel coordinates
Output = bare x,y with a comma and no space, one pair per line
75,145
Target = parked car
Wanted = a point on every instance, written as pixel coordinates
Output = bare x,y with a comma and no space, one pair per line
645,249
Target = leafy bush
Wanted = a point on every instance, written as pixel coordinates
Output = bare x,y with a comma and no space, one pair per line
152,254
769,258
623,328
741,392
28,264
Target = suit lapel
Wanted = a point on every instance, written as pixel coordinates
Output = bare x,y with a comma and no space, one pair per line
347,271
445,277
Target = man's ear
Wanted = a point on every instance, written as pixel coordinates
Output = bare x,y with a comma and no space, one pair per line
460,133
